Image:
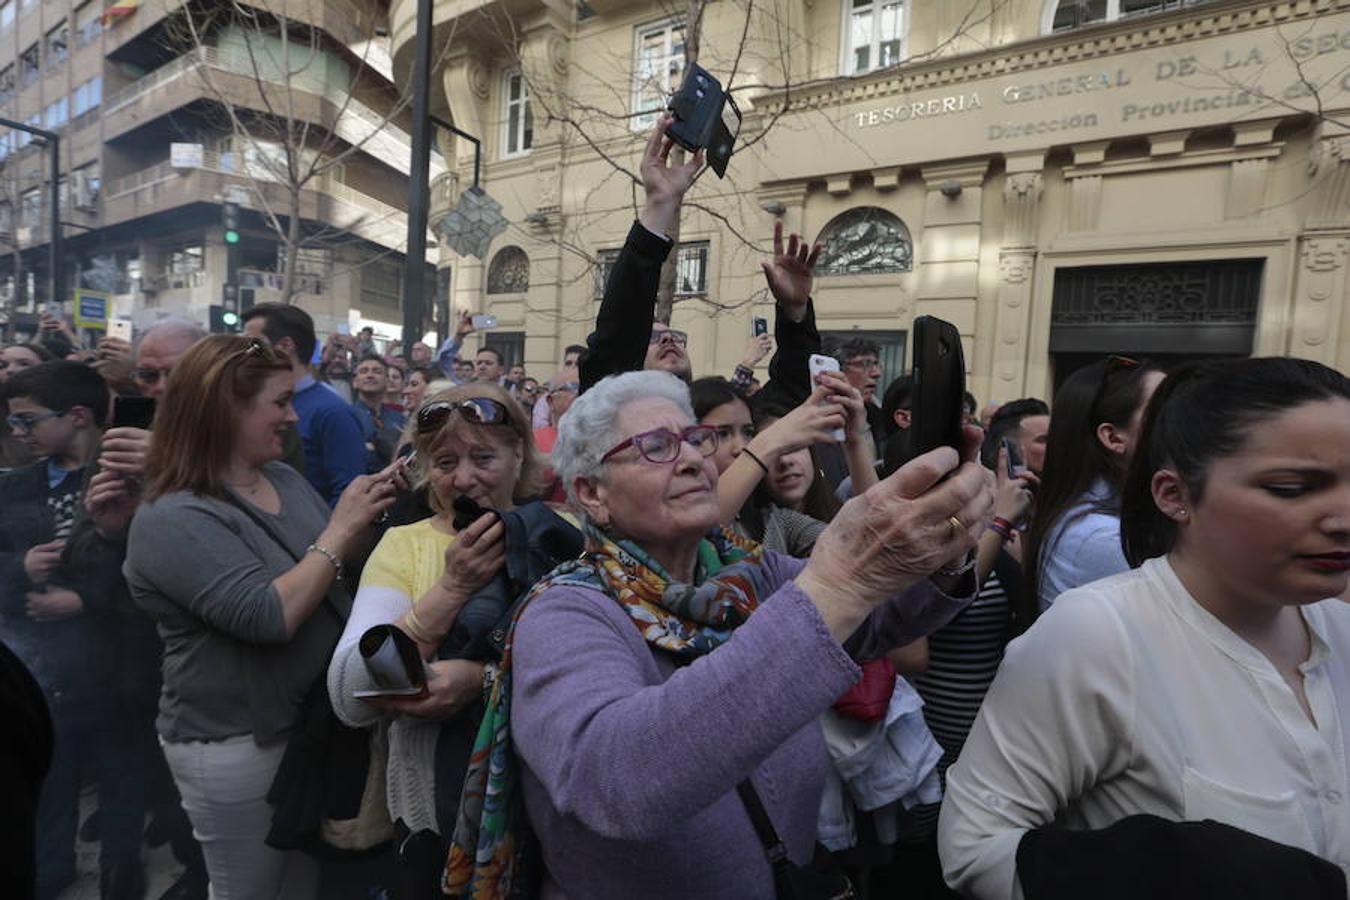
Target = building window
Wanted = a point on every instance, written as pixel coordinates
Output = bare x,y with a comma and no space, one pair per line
891,344
381,283
88,25
691,272
517,116
89,95
186,259
7,85
87,186
658,66
58,44
1064,15
875,34
509,272
29,66
510,344
865,240
604,264
58,111
6,13
30,208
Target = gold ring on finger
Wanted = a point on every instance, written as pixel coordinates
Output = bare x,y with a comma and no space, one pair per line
957,525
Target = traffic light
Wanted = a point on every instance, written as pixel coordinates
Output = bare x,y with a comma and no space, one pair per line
223,321
229,217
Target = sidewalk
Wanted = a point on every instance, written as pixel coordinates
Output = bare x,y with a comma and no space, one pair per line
161,869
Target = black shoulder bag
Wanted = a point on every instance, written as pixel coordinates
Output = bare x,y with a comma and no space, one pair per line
328,796
821,879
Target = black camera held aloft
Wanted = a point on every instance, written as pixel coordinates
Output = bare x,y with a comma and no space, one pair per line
706,118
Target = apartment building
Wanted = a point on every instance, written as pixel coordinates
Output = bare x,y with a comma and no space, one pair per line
1060,178
127,85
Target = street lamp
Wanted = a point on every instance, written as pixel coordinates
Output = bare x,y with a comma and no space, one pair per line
476,219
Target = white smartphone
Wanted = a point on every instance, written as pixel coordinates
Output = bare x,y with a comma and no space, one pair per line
817,364
484,320
120,328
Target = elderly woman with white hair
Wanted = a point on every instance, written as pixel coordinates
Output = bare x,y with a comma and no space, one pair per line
648,684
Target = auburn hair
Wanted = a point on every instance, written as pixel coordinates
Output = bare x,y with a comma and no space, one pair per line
197,418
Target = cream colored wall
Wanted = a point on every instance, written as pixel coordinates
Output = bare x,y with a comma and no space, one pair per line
1208,184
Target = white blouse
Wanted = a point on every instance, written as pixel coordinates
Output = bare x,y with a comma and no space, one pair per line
1129,697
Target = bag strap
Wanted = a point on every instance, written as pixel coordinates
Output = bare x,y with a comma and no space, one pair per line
759,818
276,538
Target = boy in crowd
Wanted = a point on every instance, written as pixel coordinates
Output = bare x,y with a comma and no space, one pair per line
58,410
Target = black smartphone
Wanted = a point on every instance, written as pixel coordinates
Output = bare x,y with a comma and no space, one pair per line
1015,465
133,412
467,511
760,326
939,386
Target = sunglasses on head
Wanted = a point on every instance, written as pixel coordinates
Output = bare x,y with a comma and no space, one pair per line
476,411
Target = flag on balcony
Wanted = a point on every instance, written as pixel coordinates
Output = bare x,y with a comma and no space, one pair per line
119,10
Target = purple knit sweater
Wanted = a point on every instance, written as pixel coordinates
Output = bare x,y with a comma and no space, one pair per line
631,764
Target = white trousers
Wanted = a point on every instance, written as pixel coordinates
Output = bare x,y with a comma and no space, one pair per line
224,788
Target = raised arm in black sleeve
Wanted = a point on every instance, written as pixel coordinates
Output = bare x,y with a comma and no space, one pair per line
796,341
623,327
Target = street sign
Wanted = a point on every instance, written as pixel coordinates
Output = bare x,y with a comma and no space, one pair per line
186,156
91,310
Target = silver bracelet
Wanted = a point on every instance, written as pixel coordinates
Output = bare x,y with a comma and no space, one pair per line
960,570
329,555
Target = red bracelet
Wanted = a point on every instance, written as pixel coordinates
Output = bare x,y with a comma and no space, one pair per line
1002,527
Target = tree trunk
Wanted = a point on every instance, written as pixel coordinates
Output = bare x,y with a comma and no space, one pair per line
665,292
292,245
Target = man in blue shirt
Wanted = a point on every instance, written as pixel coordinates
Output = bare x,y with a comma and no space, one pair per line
381,425
335,451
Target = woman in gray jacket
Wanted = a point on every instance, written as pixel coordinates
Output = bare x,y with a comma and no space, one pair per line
237,559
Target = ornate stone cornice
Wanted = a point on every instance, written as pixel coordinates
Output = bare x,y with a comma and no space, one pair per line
1081,45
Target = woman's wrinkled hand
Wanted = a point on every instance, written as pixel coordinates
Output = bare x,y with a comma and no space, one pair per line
900,531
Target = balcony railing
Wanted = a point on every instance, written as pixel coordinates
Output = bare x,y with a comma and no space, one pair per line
358,124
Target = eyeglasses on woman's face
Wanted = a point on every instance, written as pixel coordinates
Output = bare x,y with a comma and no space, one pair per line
475,410
661,445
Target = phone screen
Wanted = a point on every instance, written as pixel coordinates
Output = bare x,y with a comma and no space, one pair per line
1015,465
133,412
760,326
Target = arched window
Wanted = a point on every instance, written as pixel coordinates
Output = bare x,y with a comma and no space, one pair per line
509,272
865,240
1063,15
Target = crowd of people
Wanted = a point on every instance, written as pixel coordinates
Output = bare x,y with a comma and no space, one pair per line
346,622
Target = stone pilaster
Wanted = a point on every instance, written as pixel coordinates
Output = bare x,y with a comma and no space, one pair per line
1318,329
1016,266
949,258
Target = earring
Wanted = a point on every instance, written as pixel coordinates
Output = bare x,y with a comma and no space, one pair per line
1180,514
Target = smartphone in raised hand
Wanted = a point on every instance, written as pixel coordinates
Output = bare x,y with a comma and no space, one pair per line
816,364
939,386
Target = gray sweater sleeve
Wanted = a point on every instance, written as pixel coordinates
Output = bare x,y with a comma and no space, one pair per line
191,554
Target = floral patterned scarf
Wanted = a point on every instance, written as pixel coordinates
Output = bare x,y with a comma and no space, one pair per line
493,856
